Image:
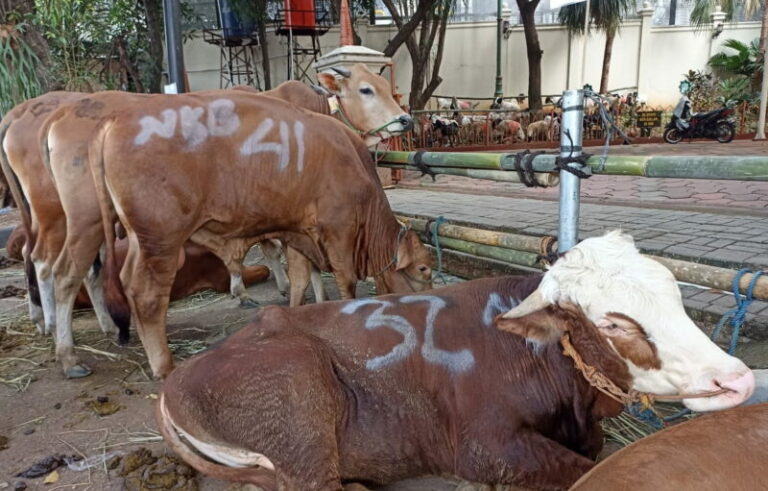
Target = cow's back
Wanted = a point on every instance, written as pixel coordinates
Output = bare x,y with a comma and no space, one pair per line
717,451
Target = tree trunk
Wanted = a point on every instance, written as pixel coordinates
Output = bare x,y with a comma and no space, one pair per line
764,29
154,12
265,66
533,47
610,34
405,29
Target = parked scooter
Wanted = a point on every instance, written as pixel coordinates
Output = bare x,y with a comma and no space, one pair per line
713,124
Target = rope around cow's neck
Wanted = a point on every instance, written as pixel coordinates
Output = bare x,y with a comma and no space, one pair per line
601,382
393,262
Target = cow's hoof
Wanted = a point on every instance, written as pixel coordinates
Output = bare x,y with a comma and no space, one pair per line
248,303
77,371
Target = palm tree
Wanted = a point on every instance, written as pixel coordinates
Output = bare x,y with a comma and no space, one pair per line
702,8
607,16
740,60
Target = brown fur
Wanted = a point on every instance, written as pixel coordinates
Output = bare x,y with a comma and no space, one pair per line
713,452
294,386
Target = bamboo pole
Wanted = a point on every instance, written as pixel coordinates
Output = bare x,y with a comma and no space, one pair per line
739,168
521,250
526,243
544,179
713,276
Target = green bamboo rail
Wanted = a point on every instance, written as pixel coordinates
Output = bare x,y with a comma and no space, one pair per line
739,168
522,250
545,179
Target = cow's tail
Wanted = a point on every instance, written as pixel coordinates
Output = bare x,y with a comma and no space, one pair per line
260,476
114,295
26,216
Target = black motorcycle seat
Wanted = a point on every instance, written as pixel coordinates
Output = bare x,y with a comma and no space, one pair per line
706,114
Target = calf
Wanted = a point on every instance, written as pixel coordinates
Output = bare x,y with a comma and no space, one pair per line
200,269
381,389
724,450
538,130
445,129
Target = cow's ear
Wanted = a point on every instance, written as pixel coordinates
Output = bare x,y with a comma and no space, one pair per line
540,327
329,82
406,250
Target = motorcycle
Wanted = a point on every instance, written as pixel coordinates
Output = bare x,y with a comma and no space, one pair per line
713,124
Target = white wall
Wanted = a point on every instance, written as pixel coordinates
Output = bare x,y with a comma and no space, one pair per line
468,67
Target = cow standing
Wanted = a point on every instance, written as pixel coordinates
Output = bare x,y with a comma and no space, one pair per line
381,389
239,169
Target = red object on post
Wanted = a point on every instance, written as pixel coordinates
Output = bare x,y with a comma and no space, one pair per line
299,14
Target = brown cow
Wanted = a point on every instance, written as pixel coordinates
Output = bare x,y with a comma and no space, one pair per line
714,452
231,176
367,102
386,388
201,270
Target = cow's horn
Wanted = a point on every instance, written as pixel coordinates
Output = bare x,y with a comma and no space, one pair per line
534,302
320,90
342,71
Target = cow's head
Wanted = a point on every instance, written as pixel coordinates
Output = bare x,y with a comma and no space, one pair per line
411,270
366,102
636,305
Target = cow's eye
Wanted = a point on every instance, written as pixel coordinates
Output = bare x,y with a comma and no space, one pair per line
366,91
424,269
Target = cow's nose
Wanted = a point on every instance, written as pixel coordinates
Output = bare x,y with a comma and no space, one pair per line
406,121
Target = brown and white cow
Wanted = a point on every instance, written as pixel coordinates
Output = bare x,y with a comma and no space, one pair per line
225,169
381,389
713,452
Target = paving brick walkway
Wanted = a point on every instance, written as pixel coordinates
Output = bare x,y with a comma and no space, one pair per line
726,196
717,239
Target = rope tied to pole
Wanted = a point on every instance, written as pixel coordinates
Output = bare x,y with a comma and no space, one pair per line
524,168
608,123
563,163
432,231
736,316
424,168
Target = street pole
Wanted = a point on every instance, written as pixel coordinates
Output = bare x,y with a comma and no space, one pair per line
570,185
499,26
173,44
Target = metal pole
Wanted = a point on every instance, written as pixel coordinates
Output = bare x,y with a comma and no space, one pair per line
173,44
760,134
499,23
573,121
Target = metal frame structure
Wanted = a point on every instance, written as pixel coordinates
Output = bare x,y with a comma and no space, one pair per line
301,57
237,66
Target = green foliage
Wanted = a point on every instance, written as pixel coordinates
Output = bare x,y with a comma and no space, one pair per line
704,93
737,89
738,60
19,79
700,14
606,15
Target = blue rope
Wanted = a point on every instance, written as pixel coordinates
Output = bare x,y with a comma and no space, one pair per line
736,316
646,415
434,229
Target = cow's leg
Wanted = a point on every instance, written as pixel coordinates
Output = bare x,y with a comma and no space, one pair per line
272,250
551,466
299,272
148,280
317,285
232,253
44,273
94,283
33,292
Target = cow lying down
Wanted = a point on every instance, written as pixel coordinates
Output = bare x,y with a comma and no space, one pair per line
714,452
381,389
201,269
